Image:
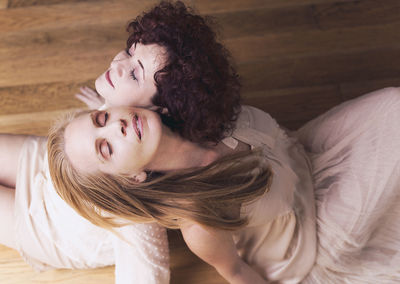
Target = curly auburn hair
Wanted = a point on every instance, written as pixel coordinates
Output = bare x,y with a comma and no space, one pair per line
199,85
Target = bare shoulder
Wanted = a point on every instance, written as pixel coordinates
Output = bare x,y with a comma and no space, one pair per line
206,242
194,233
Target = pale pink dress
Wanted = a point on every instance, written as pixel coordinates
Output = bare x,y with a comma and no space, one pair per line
355,153
279,241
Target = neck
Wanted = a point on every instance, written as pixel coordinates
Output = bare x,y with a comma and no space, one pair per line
176,153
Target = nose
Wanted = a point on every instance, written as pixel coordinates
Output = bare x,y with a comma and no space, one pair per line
119,66
114,128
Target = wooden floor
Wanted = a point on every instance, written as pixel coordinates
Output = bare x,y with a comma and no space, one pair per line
297,58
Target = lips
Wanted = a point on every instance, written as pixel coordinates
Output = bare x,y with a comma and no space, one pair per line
137,126
109,79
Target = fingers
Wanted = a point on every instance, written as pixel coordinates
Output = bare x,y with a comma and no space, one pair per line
84,99
90,97
88,92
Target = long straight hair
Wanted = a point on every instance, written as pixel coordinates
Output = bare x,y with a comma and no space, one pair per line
200,194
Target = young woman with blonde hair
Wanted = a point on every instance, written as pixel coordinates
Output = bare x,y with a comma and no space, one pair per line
123,163
249,213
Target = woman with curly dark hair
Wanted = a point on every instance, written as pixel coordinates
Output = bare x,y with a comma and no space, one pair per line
193,77
198,85
172,64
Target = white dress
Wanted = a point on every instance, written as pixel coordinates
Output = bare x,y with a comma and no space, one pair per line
50,234
279,241
355,153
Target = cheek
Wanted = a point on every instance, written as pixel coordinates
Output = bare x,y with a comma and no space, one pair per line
129,159
121,97
151,87
134,96
121,56
147,95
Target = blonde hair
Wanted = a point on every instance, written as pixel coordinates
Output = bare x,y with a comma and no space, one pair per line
200,195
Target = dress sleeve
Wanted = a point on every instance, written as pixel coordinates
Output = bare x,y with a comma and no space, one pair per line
141,254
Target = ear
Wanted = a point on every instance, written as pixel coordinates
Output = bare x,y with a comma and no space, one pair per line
139,177
160,110
164,110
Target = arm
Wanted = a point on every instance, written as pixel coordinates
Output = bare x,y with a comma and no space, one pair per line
141,255
216,247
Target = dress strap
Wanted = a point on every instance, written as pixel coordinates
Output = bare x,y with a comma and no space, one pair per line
230,142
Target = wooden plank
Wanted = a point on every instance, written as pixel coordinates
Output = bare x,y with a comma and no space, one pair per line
14,270
69,15
355,13
99,36
74,14
26,3
258,17
51,56
3,4
321,16
314,42
277,73
292,107
200,5
37,123
39,97
214,7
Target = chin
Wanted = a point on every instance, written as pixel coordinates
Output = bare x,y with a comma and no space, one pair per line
99,85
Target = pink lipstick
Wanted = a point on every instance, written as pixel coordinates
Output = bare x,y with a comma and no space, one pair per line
109,79
137,126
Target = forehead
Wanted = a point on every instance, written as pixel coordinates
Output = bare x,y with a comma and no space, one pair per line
79,144
153,54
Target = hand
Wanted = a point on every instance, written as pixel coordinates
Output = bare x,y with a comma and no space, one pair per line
90,97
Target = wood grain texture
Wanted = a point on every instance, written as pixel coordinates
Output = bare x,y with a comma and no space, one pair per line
3,4
14,271
296,59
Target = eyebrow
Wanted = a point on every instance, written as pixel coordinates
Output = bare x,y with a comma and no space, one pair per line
141,65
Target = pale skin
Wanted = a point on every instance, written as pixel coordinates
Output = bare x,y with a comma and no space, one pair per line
171,152
206,241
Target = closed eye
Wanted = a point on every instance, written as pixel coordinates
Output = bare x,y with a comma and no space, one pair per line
99,118
133,75
105,149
